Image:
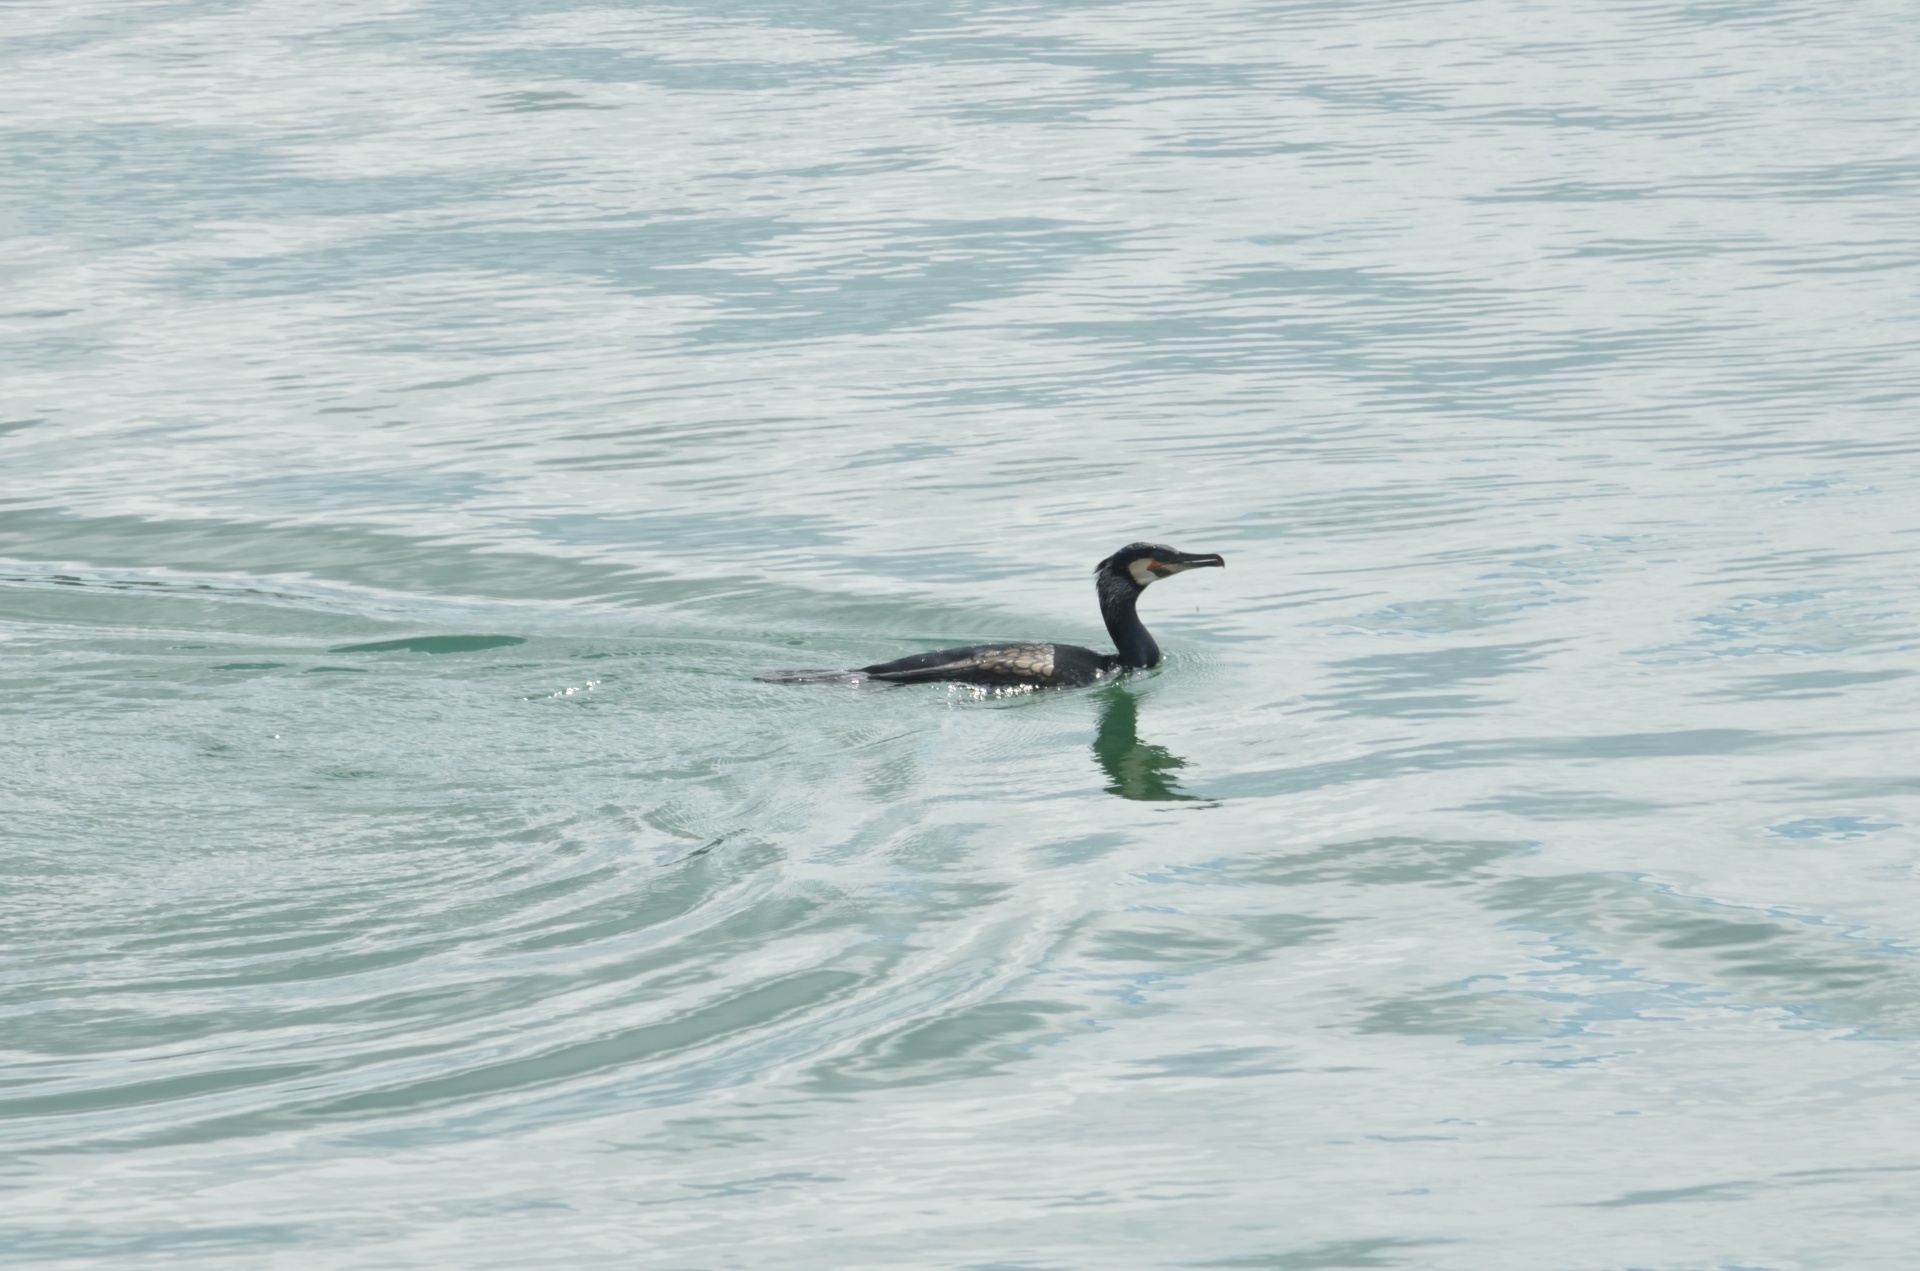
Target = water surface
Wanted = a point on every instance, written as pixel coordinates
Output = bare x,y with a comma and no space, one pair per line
418,422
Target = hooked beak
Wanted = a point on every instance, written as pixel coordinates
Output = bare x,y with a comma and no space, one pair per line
1179,562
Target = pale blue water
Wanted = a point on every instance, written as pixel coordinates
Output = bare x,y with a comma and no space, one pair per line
418,422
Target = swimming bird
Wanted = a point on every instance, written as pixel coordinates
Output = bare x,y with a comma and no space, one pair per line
1118,580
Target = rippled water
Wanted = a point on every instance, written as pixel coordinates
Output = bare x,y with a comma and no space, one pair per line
420,421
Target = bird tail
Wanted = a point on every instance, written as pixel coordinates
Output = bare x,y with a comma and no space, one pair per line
817,675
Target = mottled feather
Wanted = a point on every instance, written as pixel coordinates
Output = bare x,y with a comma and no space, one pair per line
997,664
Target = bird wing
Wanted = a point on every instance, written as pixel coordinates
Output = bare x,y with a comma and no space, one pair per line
974,664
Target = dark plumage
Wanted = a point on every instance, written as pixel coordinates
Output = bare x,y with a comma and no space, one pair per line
1118,580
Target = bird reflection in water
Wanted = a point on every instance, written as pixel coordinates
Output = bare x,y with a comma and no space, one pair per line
1135,769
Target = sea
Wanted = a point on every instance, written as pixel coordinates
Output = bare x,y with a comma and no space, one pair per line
420,421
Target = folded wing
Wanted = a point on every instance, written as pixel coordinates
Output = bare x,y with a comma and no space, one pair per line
994,664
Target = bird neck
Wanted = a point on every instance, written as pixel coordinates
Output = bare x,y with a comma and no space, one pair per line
1130,636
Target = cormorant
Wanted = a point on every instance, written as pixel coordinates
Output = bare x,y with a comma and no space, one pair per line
1119,580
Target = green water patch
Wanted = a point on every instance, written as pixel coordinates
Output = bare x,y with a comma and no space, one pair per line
1440,1012
746,1012
1339,1253
433,644
1380,861
1821,972
967,1042
1166,941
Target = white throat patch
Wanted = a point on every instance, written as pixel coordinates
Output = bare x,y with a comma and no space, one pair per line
1140,571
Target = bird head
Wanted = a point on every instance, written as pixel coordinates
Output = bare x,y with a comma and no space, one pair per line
1138,565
